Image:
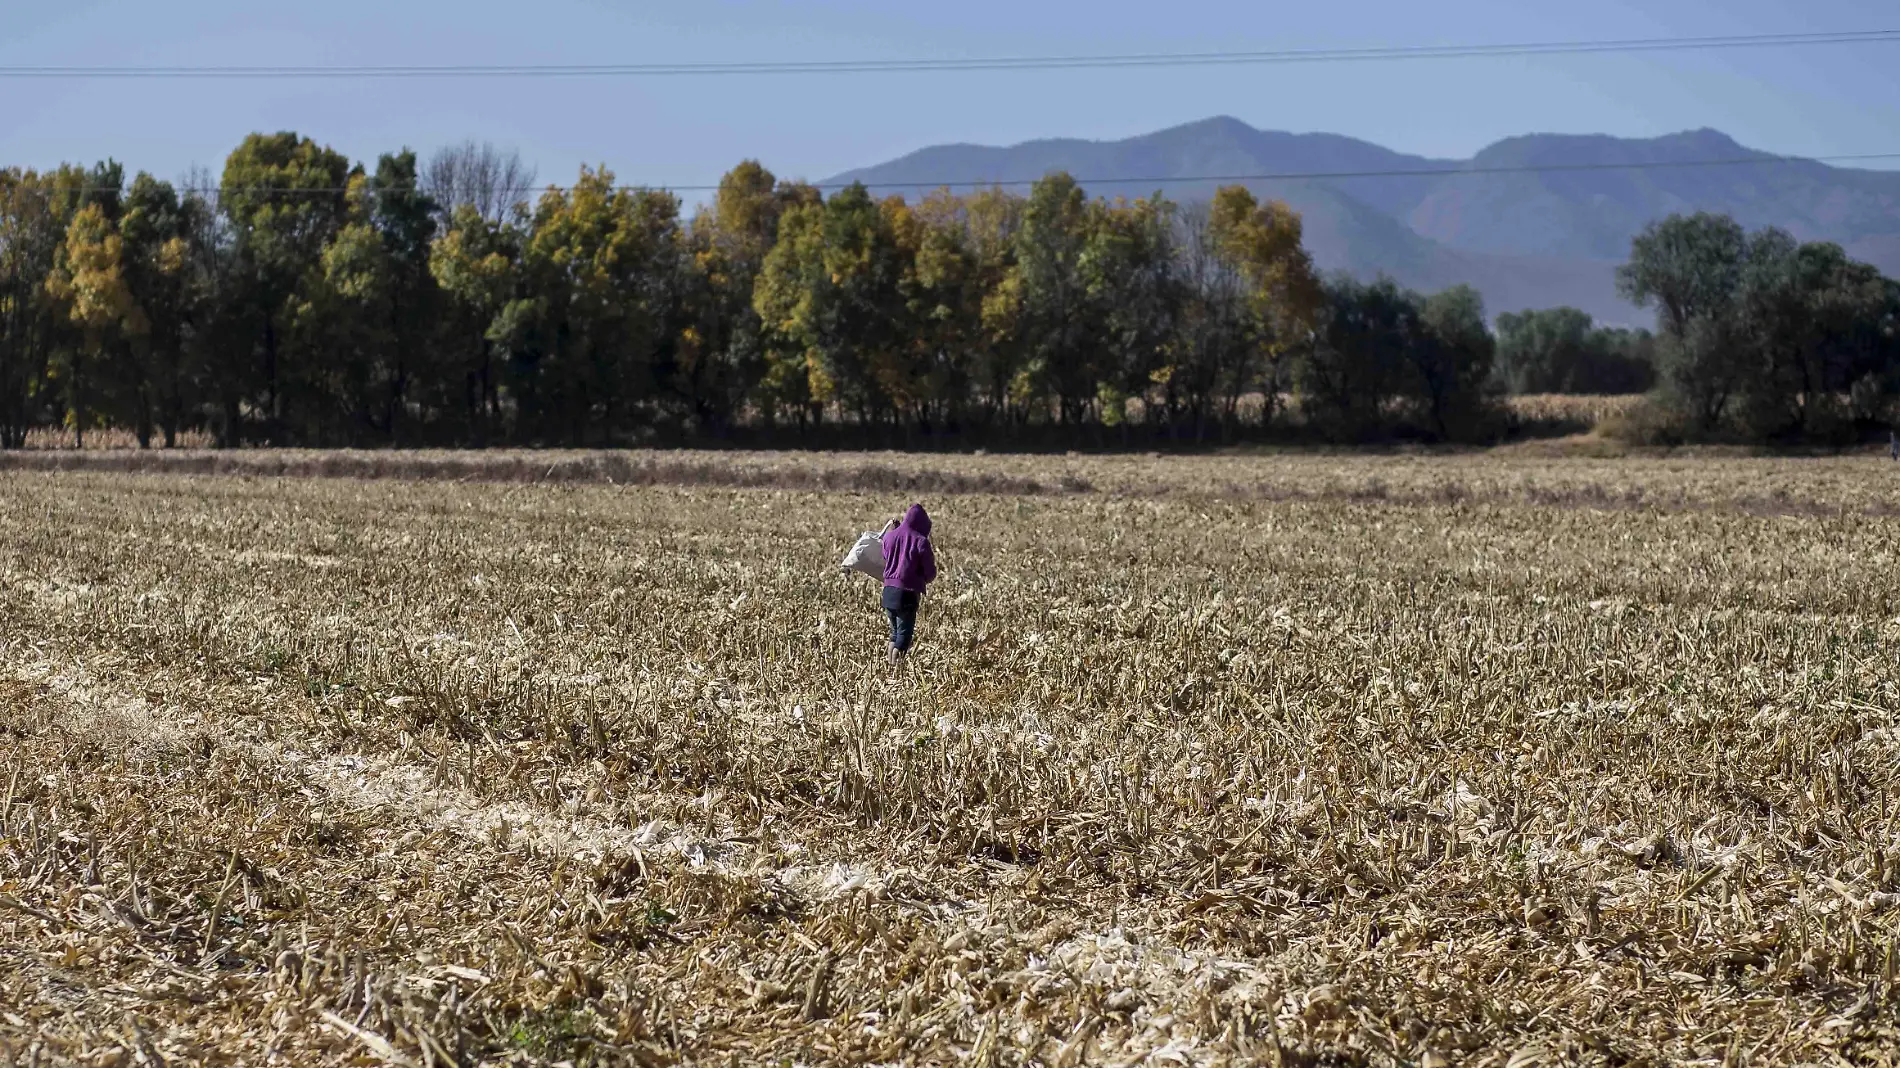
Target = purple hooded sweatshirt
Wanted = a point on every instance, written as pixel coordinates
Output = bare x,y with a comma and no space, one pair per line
909,563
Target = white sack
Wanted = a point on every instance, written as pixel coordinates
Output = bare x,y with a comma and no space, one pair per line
867,555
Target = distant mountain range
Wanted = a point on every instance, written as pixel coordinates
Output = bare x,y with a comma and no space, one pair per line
1525,239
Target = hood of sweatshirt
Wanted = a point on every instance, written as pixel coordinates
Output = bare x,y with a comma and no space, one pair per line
917,519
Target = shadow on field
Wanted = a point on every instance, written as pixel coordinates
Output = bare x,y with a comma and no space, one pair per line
627,469
603,469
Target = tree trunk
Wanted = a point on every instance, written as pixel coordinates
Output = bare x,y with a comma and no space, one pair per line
273,408
229,436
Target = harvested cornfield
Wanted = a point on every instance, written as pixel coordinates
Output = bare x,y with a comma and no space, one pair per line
1578,413
1300,760
104,440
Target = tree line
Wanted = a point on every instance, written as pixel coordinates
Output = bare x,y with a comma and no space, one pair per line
302,299
1762,337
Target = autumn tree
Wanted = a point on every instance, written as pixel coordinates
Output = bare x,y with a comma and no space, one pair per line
605,263
942,293
992,219
1058,335
285,199
343,331
163,275
830,291
1213,356
1263,245
403,218
311,301
1128,270
89,369
36,210
89,280
371,313
721,345
477,265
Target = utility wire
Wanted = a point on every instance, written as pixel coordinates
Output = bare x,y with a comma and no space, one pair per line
991,64
1179,179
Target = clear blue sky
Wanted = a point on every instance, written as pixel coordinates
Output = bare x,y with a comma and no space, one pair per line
1811,101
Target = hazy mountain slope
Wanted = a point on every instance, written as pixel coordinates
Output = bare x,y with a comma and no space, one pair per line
1219,147
1344,233
1881,250
1524,238
1597,212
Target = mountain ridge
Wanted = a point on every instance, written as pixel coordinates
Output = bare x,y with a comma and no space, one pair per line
1523,237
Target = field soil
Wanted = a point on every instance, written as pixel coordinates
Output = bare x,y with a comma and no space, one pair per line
1407,759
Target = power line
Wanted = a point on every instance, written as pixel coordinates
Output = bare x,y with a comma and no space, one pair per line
991,64
1181,179
1417,172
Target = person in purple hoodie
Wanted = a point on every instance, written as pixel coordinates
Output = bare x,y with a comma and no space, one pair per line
909,566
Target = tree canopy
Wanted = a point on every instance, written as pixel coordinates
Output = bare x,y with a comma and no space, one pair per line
308,299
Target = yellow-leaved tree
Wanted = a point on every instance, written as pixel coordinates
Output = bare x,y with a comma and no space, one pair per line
604,259
89,280
1262,242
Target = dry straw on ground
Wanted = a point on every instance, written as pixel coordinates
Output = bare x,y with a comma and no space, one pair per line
1236,761
1581,412
57,438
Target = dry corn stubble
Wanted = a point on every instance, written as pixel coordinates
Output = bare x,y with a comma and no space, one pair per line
1372,760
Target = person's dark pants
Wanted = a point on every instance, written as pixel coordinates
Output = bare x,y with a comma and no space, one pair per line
901,606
